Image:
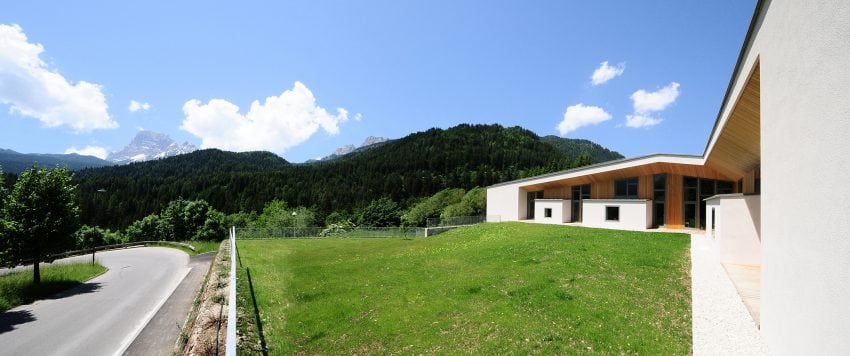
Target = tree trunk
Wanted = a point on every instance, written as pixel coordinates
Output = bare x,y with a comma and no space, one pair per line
36,273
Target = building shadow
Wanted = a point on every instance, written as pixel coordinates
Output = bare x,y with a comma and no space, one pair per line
10,319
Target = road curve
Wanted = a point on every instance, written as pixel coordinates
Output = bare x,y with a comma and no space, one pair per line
102,316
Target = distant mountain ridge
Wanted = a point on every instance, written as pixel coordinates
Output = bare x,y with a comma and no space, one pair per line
148,145
16,162
368,143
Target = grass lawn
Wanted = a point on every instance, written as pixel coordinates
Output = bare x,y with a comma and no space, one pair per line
17,288
492,289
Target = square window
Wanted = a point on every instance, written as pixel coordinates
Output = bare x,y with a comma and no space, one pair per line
547,212
612,213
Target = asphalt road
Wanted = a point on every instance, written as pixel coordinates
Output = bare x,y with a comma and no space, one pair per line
102,316
161,333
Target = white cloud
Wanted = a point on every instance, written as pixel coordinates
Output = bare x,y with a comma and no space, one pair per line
645,102
605,73
580,115
641,121
278,124
32,89
96,151
138,106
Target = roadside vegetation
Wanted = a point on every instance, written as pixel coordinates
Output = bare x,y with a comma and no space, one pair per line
205,327
485,289
18,288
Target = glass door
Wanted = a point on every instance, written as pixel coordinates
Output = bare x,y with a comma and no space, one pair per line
659,199
530,203
689,203
579,193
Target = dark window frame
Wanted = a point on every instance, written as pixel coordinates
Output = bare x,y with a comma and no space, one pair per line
612,208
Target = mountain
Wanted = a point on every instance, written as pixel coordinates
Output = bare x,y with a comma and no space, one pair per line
148,145
14,162
574,147
404,170
369,142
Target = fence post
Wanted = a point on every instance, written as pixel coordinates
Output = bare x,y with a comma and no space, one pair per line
230,349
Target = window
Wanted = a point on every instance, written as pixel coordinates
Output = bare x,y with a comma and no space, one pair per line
626,188
612,213
547,212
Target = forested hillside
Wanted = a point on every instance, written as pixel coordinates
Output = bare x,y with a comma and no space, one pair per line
574,147
405,169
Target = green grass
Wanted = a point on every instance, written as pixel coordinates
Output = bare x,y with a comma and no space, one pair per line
18,289
491,289
200,246
203,246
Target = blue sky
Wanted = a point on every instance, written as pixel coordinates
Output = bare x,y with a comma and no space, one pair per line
68,72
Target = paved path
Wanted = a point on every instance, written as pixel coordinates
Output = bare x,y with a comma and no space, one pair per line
161,333
721,323
102,316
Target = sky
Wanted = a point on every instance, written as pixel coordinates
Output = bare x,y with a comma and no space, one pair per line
301,78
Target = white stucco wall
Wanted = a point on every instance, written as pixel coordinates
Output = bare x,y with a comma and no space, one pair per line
736,227
804,50
560,210
504,202
635,214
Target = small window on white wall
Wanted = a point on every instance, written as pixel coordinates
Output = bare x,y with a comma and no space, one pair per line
612,213
547,212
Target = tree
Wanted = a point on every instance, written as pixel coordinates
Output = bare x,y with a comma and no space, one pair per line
149,228
90,236
381,213
418,214
42,208
277,214
582,160
473,203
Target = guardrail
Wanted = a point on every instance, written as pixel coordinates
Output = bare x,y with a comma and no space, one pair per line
87,251
230,347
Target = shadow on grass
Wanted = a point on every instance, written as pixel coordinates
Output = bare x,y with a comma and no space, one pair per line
257,313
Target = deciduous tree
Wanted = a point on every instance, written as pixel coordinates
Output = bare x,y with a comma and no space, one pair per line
43,213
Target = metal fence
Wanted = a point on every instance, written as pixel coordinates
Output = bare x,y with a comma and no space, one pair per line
461,220
324,232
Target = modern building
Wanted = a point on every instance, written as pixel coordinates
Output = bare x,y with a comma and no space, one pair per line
769,186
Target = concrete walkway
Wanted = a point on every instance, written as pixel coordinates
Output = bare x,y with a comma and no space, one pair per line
721,323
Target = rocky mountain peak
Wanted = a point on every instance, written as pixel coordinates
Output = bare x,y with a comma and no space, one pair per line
148,145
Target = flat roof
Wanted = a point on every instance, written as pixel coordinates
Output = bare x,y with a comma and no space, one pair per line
595,166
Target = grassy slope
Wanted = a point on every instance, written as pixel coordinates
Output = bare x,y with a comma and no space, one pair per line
485,289
17,288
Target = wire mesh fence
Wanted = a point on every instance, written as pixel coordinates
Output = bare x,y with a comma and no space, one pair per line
324,232
461,220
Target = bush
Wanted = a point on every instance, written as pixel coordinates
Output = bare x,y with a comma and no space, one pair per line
338,229
431,207
214,228
277,214
151,227
473,203
381,212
